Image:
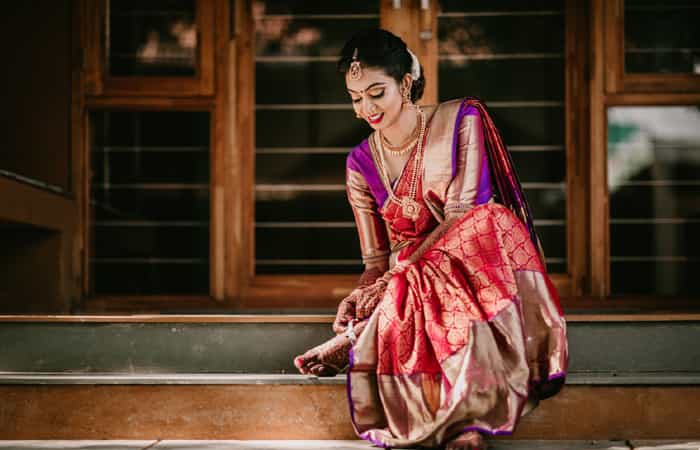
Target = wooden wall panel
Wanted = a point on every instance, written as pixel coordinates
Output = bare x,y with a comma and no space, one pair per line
36,41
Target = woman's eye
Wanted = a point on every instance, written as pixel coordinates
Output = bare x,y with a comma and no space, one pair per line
377,95
356,100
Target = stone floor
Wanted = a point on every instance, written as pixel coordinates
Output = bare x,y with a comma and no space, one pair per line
334,445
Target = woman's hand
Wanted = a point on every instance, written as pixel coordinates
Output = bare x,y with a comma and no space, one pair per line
346,313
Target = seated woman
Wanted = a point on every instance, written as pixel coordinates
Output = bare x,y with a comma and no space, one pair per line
455,330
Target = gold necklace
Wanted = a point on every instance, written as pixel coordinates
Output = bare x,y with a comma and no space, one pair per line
410,208
408,144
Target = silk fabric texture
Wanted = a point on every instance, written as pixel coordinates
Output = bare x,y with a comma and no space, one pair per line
470,336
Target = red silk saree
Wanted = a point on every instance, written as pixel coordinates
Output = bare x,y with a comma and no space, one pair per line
469,335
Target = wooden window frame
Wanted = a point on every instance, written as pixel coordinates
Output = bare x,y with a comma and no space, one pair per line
609,86
616,79
324,291
99,82
142,95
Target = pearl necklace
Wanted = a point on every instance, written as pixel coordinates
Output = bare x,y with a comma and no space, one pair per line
410,208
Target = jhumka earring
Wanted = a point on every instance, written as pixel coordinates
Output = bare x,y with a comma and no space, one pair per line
407,96
355,67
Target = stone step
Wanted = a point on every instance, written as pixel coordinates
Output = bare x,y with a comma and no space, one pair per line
496,444
257,344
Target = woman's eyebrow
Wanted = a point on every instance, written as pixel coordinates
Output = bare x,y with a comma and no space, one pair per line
379,83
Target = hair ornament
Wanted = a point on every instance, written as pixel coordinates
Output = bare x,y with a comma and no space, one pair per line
415,65
355,67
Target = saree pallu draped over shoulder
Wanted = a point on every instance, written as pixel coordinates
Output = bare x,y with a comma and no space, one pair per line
470,336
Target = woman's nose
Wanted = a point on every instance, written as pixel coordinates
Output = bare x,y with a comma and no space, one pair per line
368,107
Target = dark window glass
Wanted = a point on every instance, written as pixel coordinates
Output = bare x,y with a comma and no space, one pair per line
662,36
511,55
653,162
149,203
153,38
305,128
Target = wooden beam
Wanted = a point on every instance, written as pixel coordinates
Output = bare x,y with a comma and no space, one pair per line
599,242
577,145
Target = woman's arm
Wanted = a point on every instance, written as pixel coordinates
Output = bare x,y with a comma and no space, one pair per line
374,240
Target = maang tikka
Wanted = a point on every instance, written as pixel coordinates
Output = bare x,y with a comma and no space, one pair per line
355,67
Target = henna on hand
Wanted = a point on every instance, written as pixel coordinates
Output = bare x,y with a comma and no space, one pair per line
369,276
346,312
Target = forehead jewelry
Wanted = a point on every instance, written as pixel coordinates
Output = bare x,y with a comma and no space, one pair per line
355,67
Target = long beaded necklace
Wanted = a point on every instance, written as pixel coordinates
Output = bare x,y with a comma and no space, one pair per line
410,208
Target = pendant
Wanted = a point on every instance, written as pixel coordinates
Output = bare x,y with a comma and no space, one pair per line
410,208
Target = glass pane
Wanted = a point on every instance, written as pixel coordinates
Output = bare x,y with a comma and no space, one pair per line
149,202
303,136
511,55
662,36
653,162
154,38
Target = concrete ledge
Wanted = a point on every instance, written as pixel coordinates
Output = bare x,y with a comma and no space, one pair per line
39,378
253,347
277,411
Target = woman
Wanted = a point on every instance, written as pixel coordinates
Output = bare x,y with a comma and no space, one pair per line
454,330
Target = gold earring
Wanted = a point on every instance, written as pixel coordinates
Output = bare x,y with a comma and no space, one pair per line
407,96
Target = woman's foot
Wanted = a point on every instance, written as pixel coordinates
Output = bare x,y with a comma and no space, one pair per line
327,359
471,440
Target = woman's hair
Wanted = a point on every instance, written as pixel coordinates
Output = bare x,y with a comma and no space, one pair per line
383,50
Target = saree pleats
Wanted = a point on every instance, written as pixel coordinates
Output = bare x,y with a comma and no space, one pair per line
467,337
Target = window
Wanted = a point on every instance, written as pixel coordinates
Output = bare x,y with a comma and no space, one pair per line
653,162
511,55
159,47
149,203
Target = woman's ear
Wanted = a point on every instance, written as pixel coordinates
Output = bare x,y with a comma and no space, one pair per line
407,81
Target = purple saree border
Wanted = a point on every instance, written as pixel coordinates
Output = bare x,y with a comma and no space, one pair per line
351,403
360,160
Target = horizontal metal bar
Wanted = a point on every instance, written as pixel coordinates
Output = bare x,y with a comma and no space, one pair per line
655,221
145,148
149,260
661,8
663,50
308,262
550,223
339,262
498,56
320,224
535,185
320,16
535,148
305,224
527,104
304,106
302,150
148,12
348,106
458,14
149,223
32,181
653,259
150,186
661,183
295,59
341,187
345,150
298,187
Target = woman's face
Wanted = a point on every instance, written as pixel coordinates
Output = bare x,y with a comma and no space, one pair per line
376,97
